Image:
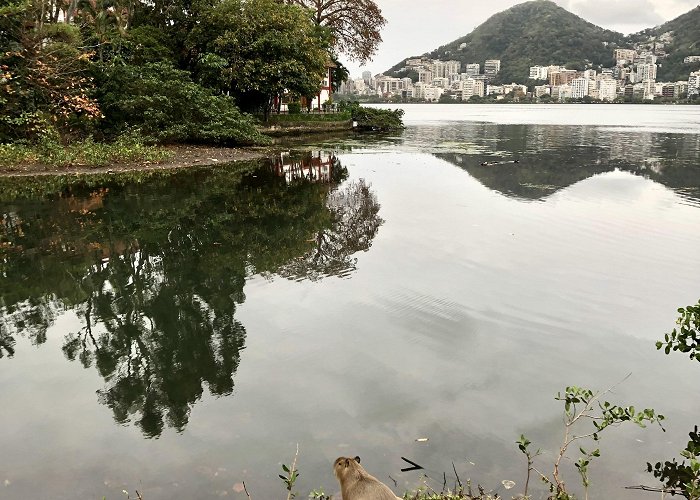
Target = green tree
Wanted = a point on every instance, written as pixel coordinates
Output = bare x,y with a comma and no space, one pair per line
339,73
44,83
268,48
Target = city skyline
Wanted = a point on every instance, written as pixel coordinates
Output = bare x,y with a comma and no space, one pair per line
447,20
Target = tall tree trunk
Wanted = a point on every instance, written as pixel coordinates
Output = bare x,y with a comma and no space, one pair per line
70,11
43,13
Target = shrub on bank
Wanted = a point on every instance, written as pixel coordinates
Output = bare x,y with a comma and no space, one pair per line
169,107
377,120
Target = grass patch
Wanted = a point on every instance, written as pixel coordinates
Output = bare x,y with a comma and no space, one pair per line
88,153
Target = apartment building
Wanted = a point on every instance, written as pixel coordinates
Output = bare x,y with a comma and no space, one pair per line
562,77
694,84
607,90
626,55
646,71
492,67
472,69
425,76
443,69
579,88
538,72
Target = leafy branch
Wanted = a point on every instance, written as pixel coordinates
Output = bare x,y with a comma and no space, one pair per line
686,337
581,404
291,475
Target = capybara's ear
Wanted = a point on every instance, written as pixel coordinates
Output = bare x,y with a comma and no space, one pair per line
357,459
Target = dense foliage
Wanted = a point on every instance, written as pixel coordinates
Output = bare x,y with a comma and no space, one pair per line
259,49
375,119
44,81
169,107
176,71
686,337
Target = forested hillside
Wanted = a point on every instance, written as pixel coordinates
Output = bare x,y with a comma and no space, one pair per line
538,32
684,33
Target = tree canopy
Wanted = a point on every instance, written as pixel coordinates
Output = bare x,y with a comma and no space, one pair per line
177,70
356,25
259,49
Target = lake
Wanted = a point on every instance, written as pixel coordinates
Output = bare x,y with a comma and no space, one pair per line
180,333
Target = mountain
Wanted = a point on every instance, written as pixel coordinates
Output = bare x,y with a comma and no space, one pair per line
681,38
538,32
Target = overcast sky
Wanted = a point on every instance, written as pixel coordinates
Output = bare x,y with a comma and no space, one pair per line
417,27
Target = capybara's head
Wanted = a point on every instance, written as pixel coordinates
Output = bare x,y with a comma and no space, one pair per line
344,465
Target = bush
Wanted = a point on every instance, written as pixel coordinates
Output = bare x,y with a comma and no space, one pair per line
294,108
168,107
378,120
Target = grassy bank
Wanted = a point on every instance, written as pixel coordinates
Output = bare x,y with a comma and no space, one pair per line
88,153
286,118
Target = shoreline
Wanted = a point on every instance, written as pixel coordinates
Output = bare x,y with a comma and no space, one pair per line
183,156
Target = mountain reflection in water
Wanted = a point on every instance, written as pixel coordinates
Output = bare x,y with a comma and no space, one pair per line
155,263
551,158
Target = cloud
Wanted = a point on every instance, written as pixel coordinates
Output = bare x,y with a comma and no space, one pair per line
609,13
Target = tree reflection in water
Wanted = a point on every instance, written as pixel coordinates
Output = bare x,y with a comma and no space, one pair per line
356,221
154,265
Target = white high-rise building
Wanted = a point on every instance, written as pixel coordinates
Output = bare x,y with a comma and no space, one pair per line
579,88
561,92
360,85
431,93
443,69
538,72
472,69
646,71
472,87
607,90
541,90
649,89
694,84
492,67
389,85
425,76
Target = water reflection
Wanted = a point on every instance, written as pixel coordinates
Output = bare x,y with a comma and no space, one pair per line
554,157
154,266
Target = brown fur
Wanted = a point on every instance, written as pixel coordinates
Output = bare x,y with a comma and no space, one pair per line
357,484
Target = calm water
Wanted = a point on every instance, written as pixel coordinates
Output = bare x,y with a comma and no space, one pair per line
179,334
